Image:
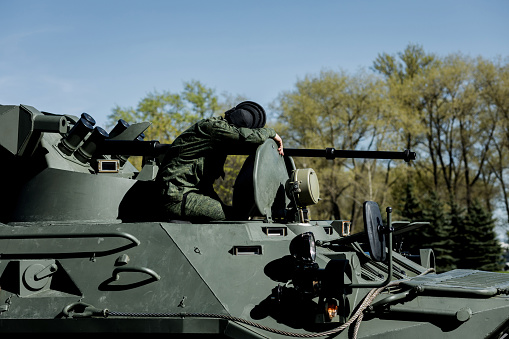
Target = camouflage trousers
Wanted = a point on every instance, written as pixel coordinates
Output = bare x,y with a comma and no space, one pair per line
197,207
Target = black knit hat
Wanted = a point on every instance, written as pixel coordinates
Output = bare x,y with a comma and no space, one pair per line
247,114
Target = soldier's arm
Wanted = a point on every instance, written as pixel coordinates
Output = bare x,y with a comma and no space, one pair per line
222,131
279,143
225,133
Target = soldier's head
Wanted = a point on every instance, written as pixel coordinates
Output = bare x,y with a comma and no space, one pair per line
246,114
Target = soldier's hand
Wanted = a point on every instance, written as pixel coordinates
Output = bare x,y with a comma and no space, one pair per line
279,143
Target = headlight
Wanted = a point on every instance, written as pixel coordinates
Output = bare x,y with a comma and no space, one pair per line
303,248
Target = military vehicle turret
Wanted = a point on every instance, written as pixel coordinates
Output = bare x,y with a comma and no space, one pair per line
83,251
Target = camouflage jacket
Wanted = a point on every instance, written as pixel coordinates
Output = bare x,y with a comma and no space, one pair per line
196,158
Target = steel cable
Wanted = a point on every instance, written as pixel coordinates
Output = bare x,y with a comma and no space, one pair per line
357,317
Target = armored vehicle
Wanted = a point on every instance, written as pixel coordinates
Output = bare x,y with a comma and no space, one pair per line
83,250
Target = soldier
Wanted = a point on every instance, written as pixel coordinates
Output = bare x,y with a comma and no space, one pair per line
196,159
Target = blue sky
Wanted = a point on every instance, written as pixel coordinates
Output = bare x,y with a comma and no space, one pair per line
88,56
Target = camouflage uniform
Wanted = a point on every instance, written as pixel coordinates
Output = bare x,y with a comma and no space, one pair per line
195,161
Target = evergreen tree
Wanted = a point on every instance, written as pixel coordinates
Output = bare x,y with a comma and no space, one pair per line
438,235
481,249
458,234
411,211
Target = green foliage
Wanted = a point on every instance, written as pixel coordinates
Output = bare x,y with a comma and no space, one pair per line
439,235
451,110
224,186
170,113
203,101
412,209
480,249
412,61
409,209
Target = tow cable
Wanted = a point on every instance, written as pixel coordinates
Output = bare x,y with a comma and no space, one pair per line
83,310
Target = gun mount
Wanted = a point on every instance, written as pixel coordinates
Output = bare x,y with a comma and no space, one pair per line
80,238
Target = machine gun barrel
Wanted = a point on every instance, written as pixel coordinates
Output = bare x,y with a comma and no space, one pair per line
132,147
332,153
155,148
